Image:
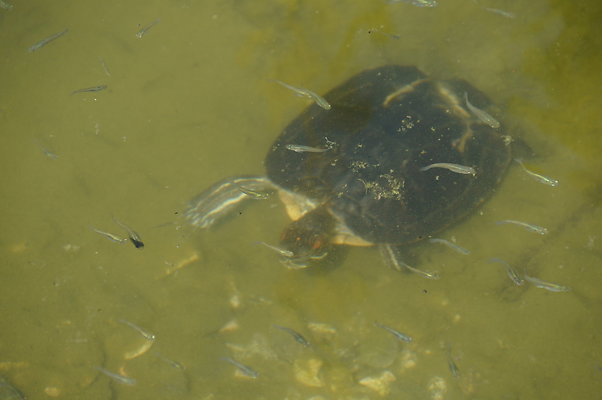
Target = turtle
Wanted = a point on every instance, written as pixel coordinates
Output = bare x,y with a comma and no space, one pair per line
364,172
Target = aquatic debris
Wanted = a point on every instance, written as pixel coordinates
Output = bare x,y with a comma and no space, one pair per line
307,372
142,349
182,263
229,326
6,6
322,330
380,384
437,388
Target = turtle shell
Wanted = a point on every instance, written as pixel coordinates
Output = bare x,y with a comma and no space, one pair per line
386,124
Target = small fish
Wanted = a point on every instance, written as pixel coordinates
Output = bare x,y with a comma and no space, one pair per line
417,3
169,361
146,334
503,13
296,335
319,100
482,115
44,42
451,364
48,153
401,336
460,169
533,228
281,251
295,264
453,368
90,89
103,64
133,236
143,31
451,245
126,380
540,178
512,274
245,369
299,148
424,274
391,35
110,236
552,287
254,194
388,252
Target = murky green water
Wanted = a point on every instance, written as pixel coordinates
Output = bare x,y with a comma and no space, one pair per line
193,101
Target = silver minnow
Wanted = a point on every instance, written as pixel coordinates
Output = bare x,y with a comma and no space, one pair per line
91,89
416,3
482,115
245,369
460,169
300,148
279,250
145,334
110,236
401,336
133,236
126,380
44,42
143,31
533,228
539,178
552,287
388,253
512,274
319,100
296,335
451,245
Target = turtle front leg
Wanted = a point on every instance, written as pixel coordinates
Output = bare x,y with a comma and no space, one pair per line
221,199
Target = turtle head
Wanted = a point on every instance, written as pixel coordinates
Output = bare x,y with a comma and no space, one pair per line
308,239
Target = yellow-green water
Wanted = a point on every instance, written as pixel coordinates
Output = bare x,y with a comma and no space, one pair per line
194,101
